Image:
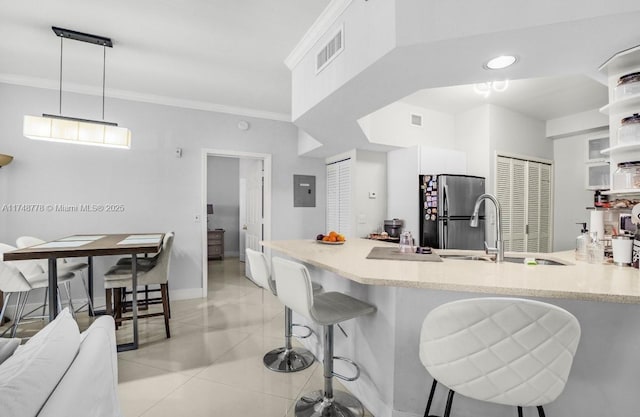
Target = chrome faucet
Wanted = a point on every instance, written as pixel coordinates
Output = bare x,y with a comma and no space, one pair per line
498,249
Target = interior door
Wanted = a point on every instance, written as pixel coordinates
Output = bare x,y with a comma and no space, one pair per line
242,218
254,206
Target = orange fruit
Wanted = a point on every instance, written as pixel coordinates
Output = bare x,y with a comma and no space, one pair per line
333,238
332,233
326,238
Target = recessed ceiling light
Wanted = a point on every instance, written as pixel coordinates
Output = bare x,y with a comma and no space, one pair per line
499,62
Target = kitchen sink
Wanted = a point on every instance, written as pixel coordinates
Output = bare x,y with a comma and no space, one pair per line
539,261
510,259
467,257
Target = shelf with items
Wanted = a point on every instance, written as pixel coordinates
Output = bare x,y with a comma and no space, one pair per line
624,191
623,74
626,105
622,209
621,148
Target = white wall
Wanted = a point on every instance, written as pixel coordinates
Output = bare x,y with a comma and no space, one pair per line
223,191
370,176
391,126
369,33
159,191
570,197
472,137
403,168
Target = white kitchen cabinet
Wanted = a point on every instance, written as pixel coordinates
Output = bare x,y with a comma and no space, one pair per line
595,146
598,176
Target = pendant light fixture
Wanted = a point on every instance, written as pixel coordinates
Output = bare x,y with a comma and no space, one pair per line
59,128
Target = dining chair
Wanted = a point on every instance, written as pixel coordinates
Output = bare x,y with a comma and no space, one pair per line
509,351
22,277
118,278
63,266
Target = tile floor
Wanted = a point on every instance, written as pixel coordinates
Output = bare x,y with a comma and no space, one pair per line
212,365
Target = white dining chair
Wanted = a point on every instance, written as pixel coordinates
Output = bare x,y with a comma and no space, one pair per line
21,277
63,266
119,277
508,351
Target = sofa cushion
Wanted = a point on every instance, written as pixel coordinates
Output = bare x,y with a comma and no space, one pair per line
30,375
90,386
7,347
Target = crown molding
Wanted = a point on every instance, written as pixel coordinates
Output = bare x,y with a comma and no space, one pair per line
144,98
322,24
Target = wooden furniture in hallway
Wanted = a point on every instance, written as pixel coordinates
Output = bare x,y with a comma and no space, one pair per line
215,244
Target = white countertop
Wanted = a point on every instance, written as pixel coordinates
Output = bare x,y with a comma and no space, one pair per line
577,281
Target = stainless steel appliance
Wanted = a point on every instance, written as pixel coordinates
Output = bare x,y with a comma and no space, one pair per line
446,206
393,227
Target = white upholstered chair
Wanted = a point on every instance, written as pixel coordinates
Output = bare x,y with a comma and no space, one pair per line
287,358
63,266
119,277
508,351
21,277
326,309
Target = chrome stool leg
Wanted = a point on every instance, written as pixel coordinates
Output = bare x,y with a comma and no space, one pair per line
288,358
327,402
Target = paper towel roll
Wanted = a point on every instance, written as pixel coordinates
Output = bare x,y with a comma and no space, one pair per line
596,223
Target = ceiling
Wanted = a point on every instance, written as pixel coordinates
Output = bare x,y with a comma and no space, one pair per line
540,98
212,54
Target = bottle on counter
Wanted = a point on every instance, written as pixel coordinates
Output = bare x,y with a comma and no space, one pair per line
582,241
595,250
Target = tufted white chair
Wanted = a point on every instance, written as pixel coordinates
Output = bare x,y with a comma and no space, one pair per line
501,350
21,277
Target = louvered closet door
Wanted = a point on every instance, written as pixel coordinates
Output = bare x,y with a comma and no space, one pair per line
339,197
333,198
524,192
539,207
511,190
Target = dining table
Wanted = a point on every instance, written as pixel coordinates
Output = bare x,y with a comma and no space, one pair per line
77,246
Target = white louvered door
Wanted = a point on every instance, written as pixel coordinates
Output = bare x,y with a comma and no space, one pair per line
339,197
524,192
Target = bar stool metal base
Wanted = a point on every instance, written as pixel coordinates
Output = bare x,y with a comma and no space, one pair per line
288,360
315,404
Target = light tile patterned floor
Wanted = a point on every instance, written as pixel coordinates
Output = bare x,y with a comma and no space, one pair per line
212,365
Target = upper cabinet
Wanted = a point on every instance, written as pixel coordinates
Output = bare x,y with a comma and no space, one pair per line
623,74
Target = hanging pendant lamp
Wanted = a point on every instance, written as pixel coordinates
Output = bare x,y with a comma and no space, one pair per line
59,128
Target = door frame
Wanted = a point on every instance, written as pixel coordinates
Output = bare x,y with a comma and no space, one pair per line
266,158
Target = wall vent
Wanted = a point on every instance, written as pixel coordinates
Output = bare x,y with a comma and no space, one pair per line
330,50
416,120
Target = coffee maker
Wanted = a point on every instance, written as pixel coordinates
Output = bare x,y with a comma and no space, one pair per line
393,228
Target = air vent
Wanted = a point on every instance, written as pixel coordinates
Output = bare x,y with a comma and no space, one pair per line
416,120
330,50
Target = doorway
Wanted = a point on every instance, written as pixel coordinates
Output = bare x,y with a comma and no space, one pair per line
253,187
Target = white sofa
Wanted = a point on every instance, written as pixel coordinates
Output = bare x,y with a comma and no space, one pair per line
61,372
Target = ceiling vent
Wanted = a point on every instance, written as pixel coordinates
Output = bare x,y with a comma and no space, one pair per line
330,50
416,120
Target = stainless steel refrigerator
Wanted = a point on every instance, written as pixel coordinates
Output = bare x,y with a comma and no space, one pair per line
446,206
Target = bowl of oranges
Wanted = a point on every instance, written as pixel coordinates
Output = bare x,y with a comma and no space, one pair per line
332,238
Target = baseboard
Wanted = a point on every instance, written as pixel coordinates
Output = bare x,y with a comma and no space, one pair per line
231,254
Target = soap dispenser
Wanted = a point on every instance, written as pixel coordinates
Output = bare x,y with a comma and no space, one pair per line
582,241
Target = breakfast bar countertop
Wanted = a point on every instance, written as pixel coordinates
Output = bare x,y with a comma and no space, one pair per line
576,280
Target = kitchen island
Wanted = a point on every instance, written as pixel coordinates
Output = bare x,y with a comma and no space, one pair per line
605,298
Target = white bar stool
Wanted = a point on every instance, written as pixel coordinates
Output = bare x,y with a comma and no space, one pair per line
508,351
287,358
326,309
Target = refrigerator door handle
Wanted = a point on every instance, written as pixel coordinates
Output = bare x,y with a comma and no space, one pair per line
445,232
445,202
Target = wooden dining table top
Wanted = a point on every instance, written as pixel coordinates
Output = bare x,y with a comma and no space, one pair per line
107,244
